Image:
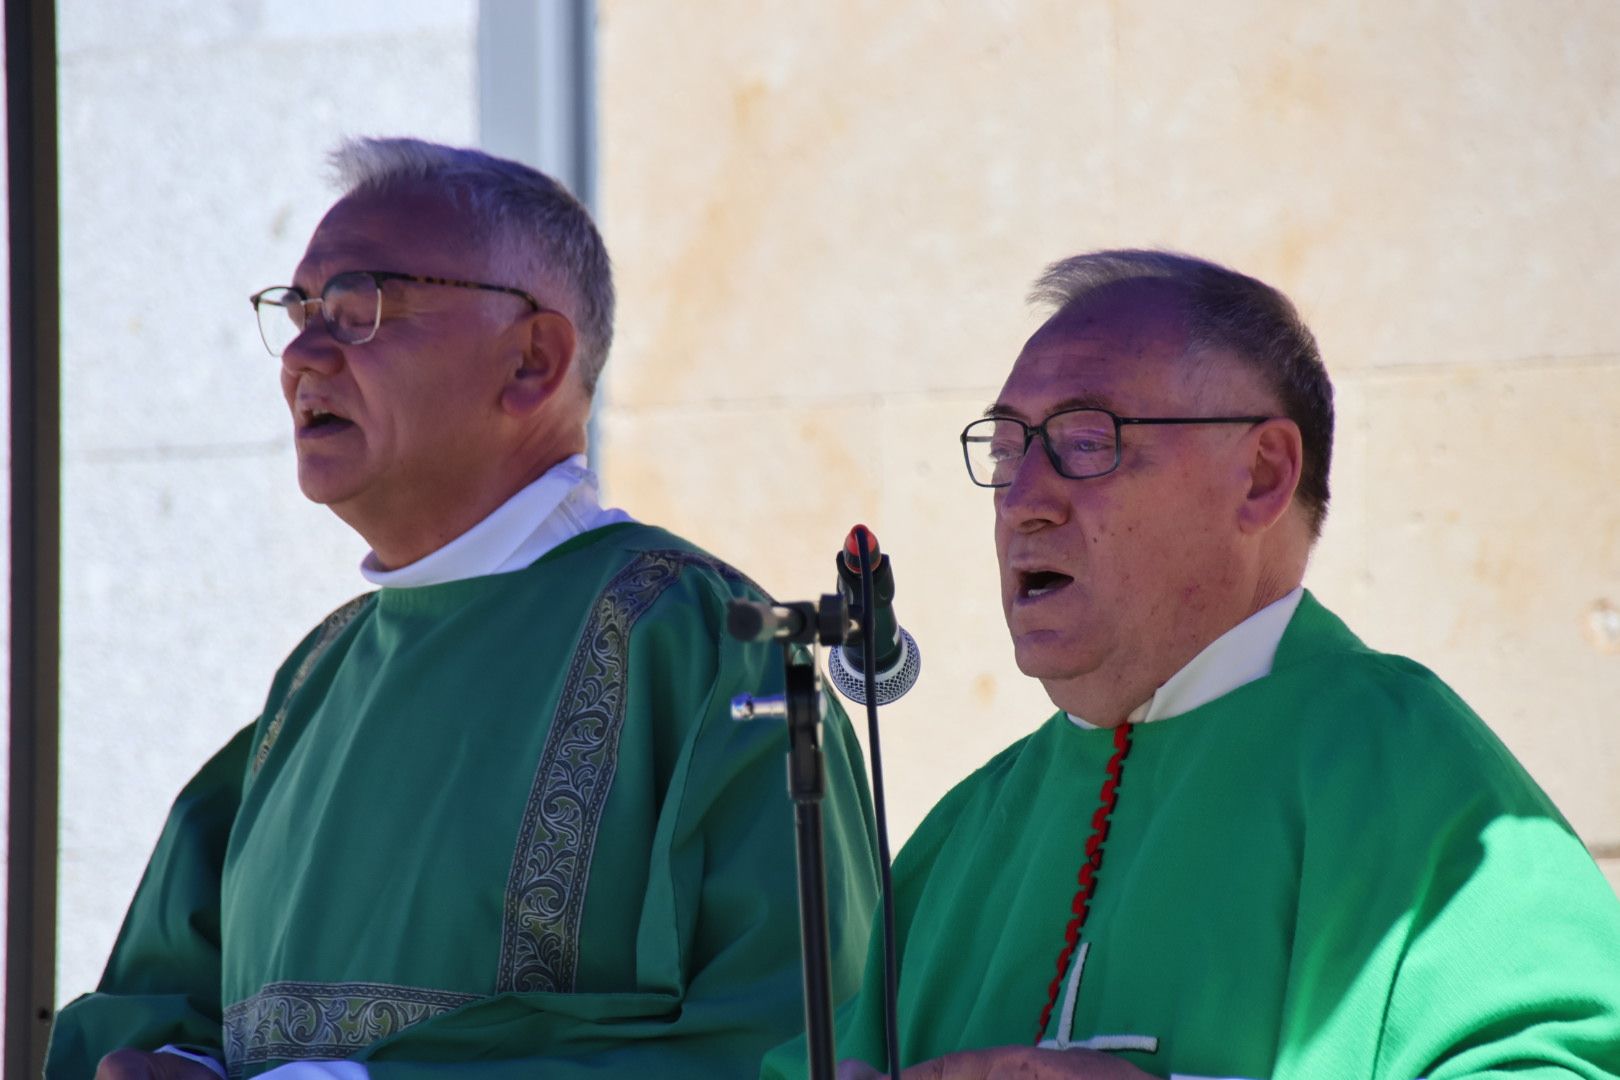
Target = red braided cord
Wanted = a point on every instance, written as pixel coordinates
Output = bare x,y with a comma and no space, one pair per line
1088,869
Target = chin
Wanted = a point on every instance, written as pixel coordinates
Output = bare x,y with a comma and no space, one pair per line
321,487
1048,655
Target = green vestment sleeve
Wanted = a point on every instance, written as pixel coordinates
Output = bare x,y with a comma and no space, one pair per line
161,984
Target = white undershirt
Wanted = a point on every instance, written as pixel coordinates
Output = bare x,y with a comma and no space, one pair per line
555,508
1239,656
559,506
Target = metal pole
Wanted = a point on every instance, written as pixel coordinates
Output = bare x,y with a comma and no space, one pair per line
35,532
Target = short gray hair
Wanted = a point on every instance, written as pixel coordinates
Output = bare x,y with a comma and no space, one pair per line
1231,311
530,223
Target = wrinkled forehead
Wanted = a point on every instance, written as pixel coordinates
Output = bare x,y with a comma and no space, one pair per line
1123,347
411,229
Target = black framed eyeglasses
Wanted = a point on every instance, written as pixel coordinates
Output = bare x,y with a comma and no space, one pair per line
351,304
1080,443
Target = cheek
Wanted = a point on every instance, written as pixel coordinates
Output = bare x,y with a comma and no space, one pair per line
1173,556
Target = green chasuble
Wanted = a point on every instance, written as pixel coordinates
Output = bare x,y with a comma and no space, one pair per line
495,827
1333,872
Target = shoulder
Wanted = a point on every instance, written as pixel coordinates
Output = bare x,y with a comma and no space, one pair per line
969,801
659,603
326,632
666,575
338,620
1323,671
692,560
1389,722
646,557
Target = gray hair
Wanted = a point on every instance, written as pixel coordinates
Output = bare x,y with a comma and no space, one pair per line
531,224
1229,311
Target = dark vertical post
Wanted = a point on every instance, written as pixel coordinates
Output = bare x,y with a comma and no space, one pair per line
35,532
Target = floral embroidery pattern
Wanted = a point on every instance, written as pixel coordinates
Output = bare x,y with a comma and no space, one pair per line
324,1021
334,625
545,893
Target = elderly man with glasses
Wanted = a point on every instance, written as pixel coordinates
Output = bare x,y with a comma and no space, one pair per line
1245,844
494,819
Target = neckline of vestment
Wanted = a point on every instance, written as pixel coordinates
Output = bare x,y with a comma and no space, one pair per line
1313,632
1242,654
447,595
559,504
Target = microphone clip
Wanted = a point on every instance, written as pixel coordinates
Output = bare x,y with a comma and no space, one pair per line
799,622
794,626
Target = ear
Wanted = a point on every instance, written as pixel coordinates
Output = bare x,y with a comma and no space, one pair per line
1277,454
545,357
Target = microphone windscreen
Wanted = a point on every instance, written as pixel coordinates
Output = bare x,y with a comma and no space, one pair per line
890,683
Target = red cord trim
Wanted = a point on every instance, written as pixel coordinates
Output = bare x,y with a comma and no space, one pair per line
1081,906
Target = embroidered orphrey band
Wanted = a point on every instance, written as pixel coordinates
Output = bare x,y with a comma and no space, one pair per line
545,893
331,627
296,1021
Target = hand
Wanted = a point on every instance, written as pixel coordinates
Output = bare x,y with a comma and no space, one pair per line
1007,1063
128,1064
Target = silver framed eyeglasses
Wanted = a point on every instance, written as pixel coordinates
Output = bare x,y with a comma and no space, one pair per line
351,304
1080,443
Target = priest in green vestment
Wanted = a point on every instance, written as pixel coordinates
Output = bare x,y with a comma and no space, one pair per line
1246,845
494,819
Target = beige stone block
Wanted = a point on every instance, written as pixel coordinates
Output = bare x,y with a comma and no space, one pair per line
826,216
770,489
1611,870
1431,182
858,194
1337,573
862,192
1493,547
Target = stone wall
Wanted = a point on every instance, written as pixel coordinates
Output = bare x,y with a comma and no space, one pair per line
826,217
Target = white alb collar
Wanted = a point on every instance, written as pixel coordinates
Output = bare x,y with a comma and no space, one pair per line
1239,656
558,506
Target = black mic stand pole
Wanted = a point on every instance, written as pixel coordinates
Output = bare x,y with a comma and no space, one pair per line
800,706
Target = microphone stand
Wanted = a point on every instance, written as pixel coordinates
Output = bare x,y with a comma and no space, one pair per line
800,706
891,967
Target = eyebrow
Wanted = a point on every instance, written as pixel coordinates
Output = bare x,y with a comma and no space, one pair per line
1084,401
322,272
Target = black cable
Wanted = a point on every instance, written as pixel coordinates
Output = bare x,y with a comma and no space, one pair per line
891,1023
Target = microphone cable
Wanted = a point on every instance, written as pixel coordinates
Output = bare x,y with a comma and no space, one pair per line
891,1024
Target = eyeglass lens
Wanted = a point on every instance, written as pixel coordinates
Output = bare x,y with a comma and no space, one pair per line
351,304
1084,441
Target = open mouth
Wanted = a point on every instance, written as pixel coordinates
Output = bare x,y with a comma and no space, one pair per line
318,421
1037,583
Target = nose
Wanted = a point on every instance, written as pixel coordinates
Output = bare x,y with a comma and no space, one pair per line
1037,496
314,349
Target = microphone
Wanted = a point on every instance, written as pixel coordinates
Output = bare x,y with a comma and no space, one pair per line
897,661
